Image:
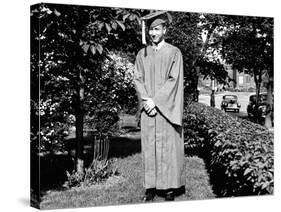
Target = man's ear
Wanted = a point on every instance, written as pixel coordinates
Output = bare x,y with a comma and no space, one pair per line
164,30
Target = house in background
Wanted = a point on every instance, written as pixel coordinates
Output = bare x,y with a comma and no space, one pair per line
240,80
237,81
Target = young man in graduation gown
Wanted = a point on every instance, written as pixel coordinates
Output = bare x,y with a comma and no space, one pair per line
158,79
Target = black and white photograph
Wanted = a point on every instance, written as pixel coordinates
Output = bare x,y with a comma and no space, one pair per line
135,106
140,105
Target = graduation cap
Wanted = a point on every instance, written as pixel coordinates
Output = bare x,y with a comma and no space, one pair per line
154,19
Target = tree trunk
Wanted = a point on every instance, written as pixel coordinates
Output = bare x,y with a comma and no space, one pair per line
80,126
194,62
79,140
212,99
197,71
269,115
257,79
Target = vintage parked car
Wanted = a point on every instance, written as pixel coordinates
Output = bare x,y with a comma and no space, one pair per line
261,110
230,102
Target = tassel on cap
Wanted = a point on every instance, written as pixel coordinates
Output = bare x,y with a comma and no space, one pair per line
143,32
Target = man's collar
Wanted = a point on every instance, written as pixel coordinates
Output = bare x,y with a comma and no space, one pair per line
159,46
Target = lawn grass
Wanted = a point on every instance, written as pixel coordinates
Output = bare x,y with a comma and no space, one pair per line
127,188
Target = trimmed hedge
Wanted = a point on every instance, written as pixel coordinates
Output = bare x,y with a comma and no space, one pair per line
238,153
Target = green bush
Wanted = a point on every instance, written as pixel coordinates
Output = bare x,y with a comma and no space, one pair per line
238,153
98,171
104,120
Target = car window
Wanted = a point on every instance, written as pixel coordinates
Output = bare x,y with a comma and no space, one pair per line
253,98
263,98
228,98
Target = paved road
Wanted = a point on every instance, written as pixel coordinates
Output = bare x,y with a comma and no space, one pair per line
243,99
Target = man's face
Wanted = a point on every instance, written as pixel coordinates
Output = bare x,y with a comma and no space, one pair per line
157,33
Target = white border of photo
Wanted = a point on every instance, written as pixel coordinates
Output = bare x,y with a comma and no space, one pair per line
15,28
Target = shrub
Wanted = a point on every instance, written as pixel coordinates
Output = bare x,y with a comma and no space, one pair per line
104,120
98,171
48,135
239,153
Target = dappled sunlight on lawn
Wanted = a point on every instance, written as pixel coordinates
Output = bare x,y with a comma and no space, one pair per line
127,188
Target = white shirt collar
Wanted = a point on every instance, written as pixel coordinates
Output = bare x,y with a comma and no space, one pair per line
159,45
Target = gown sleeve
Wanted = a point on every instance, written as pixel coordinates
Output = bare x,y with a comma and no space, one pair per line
139,80
169,98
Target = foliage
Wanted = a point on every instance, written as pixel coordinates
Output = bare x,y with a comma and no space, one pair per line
71,58
247,44
54,126
208,41
98,171
186,32
113,92
104,120
239,153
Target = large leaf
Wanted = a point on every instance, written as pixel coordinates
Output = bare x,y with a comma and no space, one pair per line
114,25
132,17
99,48
121,25
247,171
85,47
265,184
93,49
57,13
100,26
108,27
170,19
126,16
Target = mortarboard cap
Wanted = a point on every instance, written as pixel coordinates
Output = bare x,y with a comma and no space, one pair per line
154,19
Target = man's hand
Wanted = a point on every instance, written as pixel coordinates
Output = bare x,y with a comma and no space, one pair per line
149,106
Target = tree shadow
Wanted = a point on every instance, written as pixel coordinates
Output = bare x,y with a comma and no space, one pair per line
124,146
221,184
49,171
216,175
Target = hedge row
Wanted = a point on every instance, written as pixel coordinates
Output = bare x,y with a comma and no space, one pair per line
238,153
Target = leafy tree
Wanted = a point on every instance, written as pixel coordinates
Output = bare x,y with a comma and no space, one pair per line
69,45
247,44
244,42
186,32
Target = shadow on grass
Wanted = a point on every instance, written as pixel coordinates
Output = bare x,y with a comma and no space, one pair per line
221,184
48,172
124,146
217,177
